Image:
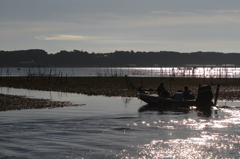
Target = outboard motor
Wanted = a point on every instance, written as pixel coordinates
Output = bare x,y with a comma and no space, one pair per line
204,97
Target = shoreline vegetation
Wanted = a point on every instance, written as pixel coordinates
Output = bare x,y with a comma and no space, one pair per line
121,86
107,86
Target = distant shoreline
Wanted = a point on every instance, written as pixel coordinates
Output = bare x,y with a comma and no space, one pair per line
76,58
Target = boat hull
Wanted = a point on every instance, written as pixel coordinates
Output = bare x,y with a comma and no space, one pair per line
154,99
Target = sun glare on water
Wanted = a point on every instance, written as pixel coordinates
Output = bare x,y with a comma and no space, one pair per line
211,139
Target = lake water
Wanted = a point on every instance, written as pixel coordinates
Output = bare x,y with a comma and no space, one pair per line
115,127
208,72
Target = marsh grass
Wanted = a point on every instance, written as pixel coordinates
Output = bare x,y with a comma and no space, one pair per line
121,86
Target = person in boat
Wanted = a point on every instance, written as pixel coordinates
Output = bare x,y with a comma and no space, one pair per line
186,93
162,92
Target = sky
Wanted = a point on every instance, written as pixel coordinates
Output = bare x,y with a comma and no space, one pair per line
104,26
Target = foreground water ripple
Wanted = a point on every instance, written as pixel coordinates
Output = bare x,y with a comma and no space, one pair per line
110,128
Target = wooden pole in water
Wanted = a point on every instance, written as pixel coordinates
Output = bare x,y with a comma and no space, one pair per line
66,78
49,78
216,96
126,81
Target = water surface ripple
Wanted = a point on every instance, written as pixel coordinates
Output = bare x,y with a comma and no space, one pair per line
116,128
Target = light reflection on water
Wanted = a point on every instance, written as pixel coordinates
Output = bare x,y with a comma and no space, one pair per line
218,138
200,71
180,138
115,128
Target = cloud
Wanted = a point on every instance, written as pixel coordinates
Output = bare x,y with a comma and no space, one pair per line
226,11
204,17
63,37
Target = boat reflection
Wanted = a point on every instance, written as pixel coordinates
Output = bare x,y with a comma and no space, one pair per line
201,113
162,109
205,112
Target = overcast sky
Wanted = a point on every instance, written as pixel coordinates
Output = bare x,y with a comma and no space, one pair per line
103,26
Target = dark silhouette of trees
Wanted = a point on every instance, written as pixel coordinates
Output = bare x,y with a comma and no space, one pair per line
78,58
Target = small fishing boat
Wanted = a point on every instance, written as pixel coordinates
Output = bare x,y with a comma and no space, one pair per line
203,100
154,99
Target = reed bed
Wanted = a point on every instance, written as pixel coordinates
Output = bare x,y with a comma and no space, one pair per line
122,86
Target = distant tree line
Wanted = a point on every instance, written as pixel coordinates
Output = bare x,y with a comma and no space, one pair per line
78,58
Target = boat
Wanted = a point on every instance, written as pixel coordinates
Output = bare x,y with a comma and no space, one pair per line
154,99
203,100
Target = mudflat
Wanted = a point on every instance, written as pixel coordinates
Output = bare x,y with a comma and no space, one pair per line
13,102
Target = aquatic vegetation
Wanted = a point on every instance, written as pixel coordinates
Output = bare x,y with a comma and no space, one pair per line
122,86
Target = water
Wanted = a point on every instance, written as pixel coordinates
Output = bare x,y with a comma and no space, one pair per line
114,127
208,72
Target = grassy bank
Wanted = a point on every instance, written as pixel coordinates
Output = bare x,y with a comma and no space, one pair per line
120,86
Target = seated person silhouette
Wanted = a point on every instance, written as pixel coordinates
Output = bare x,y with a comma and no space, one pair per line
186,93
162,92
